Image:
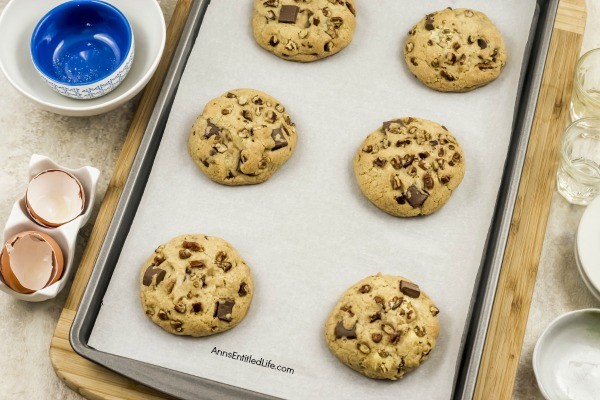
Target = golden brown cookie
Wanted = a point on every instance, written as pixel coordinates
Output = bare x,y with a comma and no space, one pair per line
455,50
242,138
409,166
196,285
383,327
303,30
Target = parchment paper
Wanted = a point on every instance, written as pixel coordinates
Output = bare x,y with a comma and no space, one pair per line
308,233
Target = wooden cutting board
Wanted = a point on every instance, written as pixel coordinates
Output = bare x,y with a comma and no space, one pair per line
517,279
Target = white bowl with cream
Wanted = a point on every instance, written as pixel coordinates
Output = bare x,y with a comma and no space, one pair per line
566,358
18,21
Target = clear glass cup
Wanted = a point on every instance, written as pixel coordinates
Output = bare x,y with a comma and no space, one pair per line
578,176
585,102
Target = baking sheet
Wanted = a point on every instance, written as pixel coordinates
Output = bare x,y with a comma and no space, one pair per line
308,233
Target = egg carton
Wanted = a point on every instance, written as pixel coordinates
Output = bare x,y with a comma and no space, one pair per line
65,235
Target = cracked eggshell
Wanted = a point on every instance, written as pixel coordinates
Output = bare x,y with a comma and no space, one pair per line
31,261
54,197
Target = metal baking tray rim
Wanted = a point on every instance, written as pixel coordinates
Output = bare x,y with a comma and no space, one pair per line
184,385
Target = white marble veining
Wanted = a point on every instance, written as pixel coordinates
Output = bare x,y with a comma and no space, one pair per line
26,328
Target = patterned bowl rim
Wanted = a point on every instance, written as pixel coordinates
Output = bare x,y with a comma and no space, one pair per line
70,4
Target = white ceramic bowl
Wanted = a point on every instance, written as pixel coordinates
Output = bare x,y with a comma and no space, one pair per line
566,358
92,42
587,248
20,17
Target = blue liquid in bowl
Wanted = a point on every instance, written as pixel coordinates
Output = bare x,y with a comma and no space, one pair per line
81,42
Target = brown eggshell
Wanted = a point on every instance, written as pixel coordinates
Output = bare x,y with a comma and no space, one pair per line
53,184
6,269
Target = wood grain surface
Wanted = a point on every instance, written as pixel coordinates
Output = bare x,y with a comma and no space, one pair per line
513,297
81,375
528,227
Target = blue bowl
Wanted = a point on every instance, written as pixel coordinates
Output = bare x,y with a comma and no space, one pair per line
83,48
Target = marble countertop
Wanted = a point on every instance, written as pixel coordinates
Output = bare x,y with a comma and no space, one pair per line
27,328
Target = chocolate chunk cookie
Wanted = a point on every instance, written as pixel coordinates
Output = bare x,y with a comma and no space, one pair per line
303,30
409,166
242,138
196,285
455,50
383,327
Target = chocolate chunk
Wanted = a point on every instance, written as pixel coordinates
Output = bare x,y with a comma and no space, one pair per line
423,155
433,143
223,310
451,58
341,331
149,274
337,22
180,308
206,164
280,140
388,124
429,22
456,46
350,8
364,289
225,266
193,246
401,200
428,182
273,41
395,302
211,130
177,325
197,307
159,260
184,253
415,197
396,162
347,309
376,337
378,300
410,289
408,160
197,264
444,179
447,76
243,291
221,256
375,317
380,162
482,43
247,115
162,315
288,14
